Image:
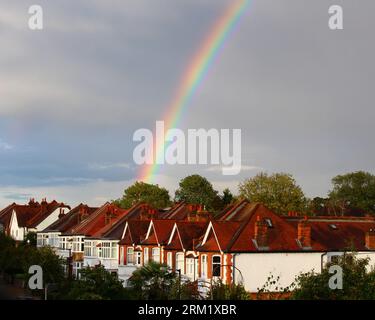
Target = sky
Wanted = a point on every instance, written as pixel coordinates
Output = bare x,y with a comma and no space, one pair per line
73,94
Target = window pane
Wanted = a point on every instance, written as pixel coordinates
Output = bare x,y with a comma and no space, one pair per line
216,266
216,259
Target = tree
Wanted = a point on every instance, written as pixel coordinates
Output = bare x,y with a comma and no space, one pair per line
52,264
153,281
96,284
221,291
156,281
354,190
196,189
279,192
227,197
151,194
30,239
357,282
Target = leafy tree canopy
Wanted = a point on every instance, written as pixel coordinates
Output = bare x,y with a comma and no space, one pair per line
279,192
96,284
151,194
196,189
358,282
354,190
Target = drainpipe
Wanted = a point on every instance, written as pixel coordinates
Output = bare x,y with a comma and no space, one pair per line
234,269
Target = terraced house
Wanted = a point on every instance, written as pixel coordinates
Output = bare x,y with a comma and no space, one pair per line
18,220
245,243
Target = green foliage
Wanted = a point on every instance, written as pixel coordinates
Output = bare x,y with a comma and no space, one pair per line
15,260
153,282
272,290
196,189
96,284
279,192
227,197
355,190
30,239
221,291
151,194
358,282
156,281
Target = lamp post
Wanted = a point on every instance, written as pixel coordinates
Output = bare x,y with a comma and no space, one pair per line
179,283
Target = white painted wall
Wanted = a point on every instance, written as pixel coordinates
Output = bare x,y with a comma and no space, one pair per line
257,267
16,232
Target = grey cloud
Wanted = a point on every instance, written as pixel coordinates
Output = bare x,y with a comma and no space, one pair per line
73,94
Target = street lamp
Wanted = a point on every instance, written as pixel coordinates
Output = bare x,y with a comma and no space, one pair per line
179,283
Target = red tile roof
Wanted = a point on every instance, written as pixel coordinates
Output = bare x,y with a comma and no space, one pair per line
337,233
71,219
187,235
96,221
135,232
30,215
160,232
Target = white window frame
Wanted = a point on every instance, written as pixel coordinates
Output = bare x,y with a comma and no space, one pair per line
170,260
122,256
155,254
204,266
145,256
180,262
130,256
138,258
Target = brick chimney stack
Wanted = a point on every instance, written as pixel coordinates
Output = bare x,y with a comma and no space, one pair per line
304,233
83,213
62,213
261,233
370,239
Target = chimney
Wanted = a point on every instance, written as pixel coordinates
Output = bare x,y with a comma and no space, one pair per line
62,213
147,212
83,213
370,239
192,212
111,213
304,233
261,233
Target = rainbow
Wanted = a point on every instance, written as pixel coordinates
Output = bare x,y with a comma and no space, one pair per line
195,74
